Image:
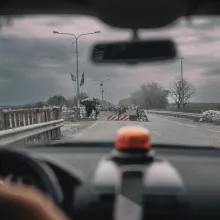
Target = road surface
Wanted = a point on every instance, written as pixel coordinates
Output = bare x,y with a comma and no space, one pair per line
163,129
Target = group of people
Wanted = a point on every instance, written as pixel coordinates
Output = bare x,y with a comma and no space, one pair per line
141,115
121,110
91,106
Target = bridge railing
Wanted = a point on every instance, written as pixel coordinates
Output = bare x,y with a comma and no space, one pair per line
23,117
30,125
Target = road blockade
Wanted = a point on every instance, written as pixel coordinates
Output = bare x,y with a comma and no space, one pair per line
118,118
133,117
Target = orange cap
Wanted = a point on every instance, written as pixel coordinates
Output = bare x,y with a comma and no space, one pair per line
133,137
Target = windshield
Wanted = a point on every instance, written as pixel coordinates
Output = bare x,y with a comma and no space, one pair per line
43,57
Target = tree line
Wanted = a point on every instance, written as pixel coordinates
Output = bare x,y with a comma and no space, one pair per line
56,100
154,96
60,100
149,96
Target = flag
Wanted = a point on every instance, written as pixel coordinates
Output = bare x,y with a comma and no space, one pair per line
82,80
73,77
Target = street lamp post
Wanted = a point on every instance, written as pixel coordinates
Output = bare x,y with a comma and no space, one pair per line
182,90
102,90
102,86
77,60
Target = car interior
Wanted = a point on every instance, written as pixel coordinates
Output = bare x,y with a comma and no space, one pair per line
98,180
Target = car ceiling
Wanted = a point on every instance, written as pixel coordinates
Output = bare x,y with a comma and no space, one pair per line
138,14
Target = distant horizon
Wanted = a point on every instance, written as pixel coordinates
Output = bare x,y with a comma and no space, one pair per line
33,103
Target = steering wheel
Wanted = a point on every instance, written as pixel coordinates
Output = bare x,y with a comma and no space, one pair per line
10,160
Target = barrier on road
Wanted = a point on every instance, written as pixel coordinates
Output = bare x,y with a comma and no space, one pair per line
133,118
118,118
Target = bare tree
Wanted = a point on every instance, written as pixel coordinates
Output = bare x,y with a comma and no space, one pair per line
72,101
57,100
181,91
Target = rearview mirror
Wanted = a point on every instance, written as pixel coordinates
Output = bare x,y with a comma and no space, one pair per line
134,51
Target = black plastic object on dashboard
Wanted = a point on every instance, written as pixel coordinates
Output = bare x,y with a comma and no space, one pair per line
129,188
136,190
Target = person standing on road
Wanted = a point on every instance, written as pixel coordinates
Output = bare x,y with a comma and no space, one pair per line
119,112
96,110
88,109
137,112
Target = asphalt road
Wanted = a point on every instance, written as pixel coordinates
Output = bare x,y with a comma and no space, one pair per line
163,129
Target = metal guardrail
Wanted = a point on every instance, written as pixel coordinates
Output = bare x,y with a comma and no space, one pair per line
196,117
30,125
175,114
22,117
16,134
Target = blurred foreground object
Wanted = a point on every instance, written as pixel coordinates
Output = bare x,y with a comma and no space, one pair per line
133,138
26,203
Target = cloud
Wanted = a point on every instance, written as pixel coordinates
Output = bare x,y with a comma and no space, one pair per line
36,64
209,91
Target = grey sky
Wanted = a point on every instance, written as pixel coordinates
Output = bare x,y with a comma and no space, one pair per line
36,64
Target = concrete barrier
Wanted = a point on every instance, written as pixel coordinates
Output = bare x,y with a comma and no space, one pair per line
133,118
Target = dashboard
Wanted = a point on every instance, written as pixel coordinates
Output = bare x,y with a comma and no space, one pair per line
73,167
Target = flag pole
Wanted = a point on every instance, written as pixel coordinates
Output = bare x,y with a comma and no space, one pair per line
74,80
82,89
74,87
82,82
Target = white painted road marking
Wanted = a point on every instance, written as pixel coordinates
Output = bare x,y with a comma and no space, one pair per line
179,123
71,125
156,133
91,126
193,126
213,130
